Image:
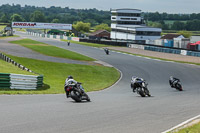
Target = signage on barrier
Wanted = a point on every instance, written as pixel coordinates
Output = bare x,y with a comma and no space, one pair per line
42,25
183,52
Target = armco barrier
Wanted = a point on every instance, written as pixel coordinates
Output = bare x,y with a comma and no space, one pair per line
19,81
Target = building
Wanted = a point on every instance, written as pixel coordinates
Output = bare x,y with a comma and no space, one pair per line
174,40
100,34
127,24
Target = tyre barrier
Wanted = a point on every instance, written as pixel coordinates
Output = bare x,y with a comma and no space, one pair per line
165,50
191,53
20,81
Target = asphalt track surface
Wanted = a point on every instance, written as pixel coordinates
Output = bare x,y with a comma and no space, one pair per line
113,110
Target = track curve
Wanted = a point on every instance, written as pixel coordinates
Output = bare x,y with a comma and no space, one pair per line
112,110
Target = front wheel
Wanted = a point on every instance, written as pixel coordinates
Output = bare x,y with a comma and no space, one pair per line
147,92
141,92
179,87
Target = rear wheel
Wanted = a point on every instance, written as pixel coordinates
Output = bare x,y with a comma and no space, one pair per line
76,96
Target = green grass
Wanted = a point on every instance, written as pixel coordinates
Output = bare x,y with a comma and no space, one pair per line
93,77
3,37
87,44
158,58
51,50
2,27
193,33
192,129
21,29
10,68
170,22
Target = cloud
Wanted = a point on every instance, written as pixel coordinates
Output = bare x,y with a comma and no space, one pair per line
169,6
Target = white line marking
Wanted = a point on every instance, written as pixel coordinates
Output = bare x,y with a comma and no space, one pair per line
183,123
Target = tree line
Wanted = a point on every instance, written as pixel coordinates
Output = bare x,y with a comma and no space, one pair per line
93,17
9,13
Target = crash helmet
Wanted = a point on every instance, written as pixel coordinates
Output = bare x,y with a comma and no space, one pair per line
70,77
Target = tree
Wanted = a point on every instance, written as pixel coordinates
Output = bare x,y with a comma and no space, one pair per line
4,18
102,27
178,25
37,16
55,21
82,27
186,34
16,18
155,24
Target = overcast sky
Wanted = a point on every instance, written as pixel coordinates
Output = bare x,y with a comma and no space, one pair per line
169,6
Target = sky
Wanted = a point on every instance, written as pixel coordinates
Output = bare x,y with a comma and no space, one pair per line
168,6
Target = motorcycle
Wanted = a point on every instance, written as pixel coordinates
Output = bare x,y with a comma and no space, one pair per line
175,83
141,88
106,51
77,94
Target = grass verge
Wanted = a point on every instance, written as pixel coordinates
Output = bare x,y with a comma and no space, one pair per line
93,77
51,50
158,58
3,37
192,129
86,44
10,68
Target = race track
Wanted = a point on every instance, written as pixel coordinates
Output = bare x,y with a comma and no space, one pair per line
113,110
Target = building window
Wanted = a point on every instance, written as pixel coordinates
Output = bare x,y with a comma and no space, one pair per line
125,18
124,31
129,22
127,14
147,33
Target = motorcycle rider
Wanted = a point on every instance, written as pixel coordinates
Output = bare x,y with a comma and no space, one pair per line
106,50
70,80
173,81
134,81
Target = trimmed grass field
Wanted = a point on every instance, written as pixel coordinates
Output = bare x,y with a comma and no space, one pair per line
51,50
87,44
93,77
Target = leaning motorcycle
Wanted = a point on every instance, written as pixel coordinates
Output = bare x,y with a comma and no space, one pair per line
106,51
176,84
141,88
77,94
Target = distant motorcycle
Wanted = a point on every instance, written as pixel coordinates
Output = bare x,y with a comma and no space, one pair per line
106,51
77,94
175,83
140,86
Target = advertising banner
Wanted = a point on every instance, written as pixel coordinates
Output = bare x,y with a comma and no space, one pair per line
42,25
